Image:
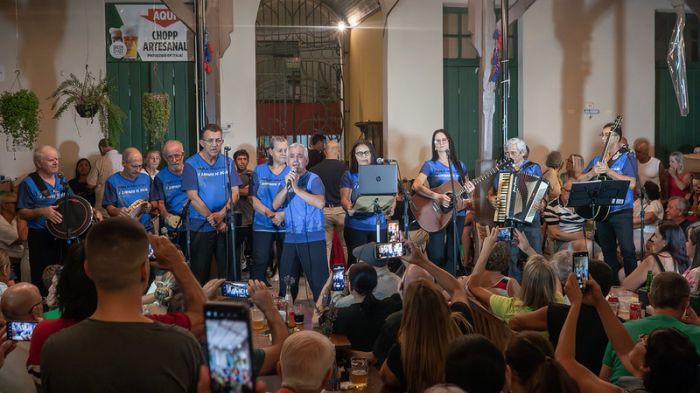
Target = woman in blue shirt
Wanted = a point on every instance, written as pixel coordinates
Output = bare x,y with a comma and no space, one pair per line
360,228
436,172
268,224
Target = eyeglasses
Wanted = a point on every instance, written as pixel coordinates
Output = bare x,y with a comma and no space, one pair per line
365,153
216,141
41,302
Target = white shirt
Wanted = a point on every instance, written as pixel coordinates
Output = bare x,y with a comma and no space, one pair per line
8,235
649,171
104,167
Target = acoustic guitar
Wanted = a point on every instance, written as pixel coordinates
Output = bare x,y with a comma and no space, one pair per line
600,213
432,215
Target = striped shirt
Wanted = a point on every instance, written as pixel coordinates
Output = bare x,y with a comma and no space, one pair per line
568,220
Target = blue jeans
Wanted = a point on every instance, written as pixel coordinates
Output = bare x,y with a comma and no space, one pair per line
533,233
441,249
262,252
309,257
617,229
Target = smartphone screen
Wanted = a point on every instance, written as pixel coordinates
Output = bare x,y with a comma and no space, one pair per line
581,269
229,347
390,250
237,290
393,232
504,234
20,331
338,283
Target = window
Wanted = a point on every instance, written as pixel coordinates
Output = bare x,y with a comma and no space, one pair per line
456,41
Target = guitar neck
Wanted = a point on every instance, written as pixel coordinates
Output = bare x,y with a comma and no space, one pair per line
486,175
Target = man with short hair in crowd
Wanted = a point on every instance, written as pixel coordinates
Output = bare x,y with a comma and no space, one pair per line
331,170
119,347
318,142
677,210
109,163
20,303
244,207
306,362
670,297
563,224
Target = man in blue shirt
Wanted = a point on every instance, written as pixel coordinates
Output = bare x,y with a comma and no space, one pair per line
204,180
169,195
617,227
303,200
36,203
127,193
515,149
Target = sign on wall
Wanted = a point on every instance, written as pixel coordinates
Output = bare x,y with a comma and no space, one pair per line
146,32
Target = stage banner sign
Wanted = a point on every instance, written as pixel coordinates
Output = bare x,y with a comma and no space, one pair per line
146,32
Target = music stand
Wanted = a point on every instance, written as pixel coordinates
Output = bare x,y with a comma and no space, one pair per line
379,187
598,193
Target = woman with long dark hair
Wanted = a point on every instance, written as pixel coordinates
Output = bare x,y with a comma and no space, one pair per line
360,228
667,255
268,224
79,183
436,171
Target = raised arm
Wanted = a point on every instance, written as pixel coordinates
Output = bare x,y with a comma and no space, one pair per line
447,281
262,298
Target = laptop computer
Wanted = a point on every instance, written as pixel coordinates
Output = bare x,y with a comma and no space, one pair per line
378,179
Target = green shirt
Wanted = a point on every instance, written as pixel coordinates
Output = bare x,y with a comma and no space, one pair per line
506,307
53,314
646,326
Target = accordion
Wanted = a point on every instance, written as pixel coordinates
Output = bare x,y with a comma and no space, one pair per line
518,196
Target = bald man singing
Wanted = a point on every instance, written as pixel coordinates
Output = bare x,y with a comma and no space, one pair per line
123,189
36,203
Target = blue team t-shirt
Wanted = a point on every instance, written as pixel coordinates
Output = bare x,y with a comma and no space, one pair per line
304,222
167,187
439,174
359,221
531,169
264,185
210,183
122,192
623,165
29,197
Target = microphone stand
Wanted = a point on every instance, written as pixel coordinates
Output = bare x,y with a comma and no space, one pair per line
455,248
406,201
230,224
185,217
643,197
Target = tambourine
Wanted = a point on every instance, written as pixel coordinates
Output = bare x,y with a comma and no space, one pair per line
77,218
136,209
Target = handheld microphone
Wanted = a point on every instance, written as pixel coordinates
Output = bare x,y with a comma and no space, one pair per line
289,183
227,148
382,161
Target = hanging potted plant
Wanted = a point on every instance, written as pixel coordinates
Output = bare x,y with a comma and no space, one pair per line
90,98
19,117
156,116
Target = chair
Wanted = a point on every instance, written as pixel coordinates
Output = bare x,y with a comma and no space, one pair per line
490,326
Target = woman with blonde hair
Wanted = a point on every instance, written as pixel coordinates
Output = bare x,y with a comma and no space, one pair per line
417,360
538,288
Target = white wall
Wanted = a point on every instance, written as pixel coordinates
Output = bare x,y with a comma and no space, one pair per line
587,51
56,38
238,80
413,101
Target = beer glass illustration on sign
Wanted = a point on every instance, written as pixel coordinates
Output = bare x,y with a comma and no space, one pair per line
130,37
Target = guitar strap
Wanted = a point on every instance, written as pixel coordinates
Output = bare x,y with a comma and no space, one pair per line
39,184
617,156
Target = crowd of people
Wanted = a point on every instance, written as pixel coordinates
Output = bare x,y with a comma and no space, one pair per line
174,234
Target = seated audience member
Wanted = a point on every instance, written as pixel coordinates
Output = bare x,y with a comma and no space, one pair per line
554,163
169,358
50,280
417,360
493,278
669,295
530,358
667,255
591,345
13,231
649,168
663,360
678,178
5,272
76,299
692,250
21,302
390,330
563,224
677,210
387,282
653,214
474,364
306,362
695,198
539,286
560,262
573,168
362,321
